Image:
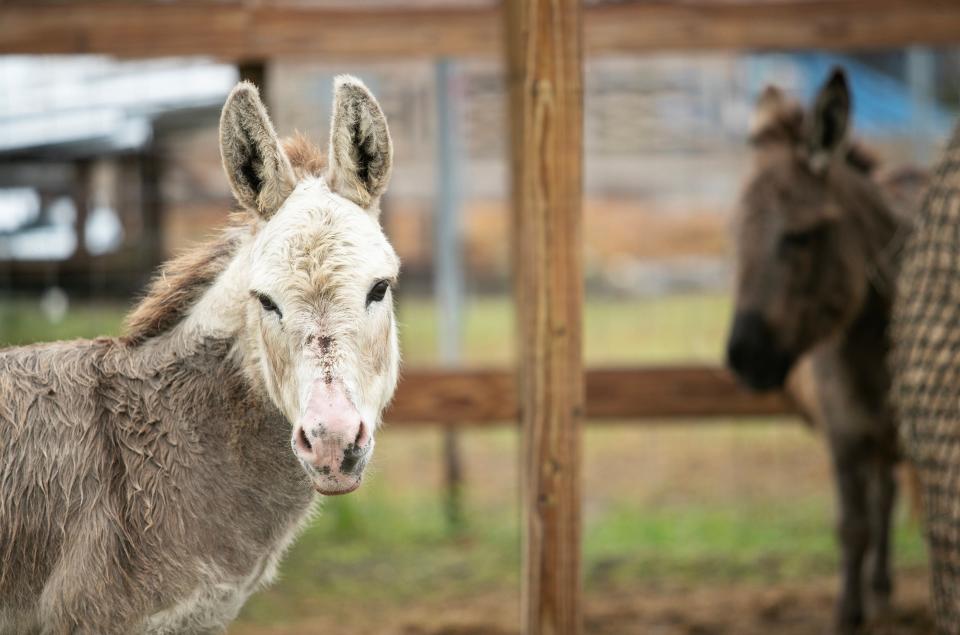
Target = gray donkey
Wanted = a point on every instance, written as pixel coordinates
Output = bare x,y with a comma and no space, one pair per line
817,236
150,484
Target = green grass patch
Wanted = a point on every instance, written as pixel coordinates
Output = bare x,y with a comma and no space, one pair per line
24,322
386,551
766,542
668,329
403,550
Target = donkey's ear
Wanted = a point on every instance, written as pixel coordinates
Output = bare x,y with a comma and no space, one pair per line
827,129
259,172
769,109
771,98
361,153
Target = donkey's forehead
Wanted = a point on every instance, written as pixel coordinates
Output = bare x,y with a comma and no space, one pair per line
776,123
784,196
317,232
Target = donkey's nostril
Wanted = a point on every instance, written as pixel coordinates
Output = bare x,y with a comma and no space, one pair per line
735,354
303,441
362,436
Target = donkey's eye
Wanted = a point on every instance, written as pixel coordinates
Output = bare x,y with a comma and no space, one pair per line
268,305
797,239
378,291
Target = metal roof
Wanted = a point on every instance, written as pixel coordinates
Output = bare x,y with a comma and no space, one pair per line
97,105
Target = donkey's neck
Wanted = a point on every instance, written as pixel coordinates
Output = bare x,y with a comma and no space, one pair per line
205,360
220,311
880,231
865,347
233,489
218,314
872,222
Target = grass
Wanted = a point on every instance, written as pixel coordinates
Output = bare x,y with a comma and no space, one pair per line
684,504
669,329
765,543
24,322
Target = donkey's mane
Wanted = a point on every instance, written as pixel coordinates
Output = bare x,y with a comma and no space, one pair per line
184,279
305,157
179,283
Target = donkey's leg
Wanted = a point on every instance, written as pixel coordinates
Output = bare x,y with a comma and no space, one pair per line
86,593
851,469
883,493
70,611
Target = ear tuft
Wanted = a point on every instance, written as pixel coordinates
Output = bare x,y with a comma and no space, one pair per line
771,97
774,116
829,122
258,171
361,152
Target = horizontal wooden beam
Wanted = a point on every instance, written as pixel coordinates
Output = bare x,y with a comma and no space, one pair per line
770,24
454,397
237,30
486,396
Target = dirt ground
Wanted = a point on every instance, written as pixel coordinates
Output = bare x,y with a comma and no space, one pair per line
794,609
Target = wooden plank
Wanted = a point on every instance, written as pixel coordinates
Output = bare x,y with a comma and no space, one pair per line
545,85
770,24
235,30
454,397
255,72
124,273
675,392
82,193
239,31
471,397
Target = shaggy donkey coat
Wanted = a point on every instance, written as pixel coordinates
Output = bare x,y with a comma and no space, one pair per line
147,483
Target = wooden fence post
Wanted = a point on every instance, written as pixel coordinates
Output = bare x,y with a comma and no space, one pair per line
545,66
255,71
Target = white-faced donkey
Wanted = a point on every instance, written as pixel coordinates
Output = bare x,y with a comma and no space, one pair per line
150,484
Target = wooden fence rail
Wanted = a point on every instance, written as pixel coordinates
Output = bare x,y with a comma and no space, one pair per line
478,397
271,29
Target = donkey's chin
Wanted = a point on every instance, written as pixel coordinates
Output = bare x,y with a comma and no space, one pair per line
336,487
769,375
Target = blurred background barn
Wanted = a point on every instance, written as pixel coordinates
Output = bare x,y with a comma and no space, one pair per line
107,167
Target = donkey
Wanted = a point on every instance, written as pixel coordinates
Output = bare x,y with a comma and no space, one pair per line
816,234
150,484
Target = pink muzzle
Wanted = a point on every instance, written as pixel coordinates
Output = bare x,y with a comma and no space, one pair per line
331,440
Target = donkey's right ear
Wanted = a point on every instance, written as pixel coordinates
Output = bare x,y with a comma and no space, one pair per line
259,172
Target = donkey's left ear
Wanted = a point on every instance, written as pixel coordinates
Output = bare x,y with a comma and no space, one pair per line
827,128
259,172
361,153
